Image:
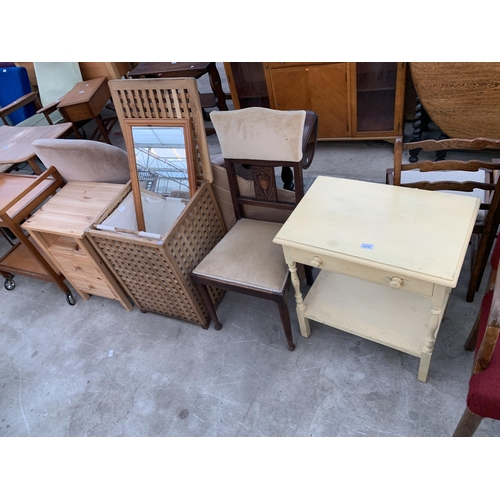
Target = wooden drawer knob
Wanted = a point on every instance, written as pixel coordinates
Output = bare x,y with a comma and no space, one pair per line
396,283
316,262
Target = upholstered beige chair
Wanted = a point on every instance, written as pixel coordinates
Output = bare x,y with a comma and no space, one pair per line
246,260
81,160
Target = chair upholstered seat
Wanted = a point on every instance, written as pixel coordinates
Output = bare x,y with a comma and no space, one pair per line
263,268
483,397
484,387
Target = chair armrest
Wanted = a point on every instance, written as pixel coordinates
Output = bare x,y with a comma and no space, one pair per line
490,338
18,103
47,110
50,108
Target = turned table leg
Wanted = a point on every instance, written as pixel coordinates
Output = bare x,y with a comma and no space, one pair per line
437,305
305,328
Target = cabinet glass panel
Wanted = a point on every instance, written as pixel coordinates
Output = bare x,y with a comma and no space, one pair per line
250,83
376,96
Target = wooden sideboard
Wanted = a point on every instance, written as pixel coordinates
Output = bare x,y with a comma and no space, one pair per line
352,100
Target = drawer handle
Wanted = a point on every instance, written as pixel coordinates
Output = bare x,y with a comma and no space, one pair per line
396,283
76,268
316,262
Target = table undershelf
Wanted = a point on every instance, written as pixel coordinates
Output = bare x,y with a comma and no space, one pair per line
394,318
19,260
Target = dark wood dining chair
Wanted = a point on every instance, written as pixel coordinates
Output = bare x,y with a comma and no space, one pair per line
246,260
475,177
483,396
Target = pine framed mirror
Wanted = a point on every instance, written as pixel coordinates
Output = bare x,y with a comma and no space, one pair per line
161,159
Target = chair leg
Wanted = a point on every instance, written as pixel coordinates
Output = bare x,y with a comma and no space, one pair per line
208,304
287,326
470,343
468,424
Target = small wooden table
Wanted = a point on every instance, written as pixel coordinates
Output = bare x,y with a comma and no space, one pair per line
20,195
85,102
185,70
59,228
16,142
389,257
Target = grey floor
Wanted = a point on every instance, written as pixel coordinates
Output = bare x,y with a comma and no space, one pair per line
97,370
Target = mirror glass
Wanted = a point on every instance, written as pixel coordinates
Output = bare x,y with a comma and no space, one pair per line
162,160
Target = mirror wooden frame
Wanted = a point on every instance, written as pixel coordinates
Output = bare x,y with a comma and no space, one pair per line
129,143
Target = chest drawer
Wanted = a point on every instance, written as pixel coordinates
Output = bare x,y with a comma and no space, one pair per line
75,264
395,281
91,284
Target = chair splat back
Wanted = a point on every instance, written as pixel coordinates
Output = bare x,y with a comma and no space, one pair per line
473,172
265,139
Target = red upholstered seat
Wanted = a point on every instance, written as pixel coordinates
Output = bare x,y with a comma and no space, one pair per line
484,387
483,398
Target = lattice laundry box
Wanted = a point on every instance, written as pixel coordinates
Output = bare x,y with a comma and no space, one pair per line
155,269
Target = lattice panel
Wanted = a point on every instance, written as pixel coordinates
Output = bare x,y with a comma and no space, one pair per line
151,280
199,232
159,277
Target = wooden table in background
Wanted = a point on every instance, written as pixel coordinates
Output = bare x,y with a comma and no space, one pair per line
15,142
186,70
85,102
461,98
389,257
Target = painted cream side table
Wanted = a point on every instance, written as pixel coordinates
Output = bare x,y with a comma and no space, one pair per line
389,257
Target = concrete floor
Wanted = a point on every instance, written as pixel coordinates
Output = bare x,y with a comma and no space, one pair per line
96,370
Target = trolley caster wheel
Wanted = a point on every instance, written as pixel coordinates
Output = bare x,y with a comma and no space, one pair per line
9,284
70,299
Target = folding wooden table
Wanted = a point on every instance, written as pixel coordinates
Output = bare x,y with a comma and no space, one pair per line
15,142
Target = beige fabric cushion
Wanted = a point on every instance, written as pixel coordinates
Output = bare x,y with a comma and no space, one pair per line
247,256
260,133
82,160
220,186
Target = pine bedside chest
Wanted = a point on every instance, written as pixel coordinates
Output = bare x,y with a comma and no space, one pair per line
59,228
389,257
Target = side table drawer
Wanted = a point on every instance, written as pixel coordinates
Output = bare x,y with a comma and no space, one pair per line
395,281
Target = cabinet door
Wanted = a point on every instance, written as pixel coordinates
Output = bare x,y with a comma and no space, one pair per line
378,95
321,88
